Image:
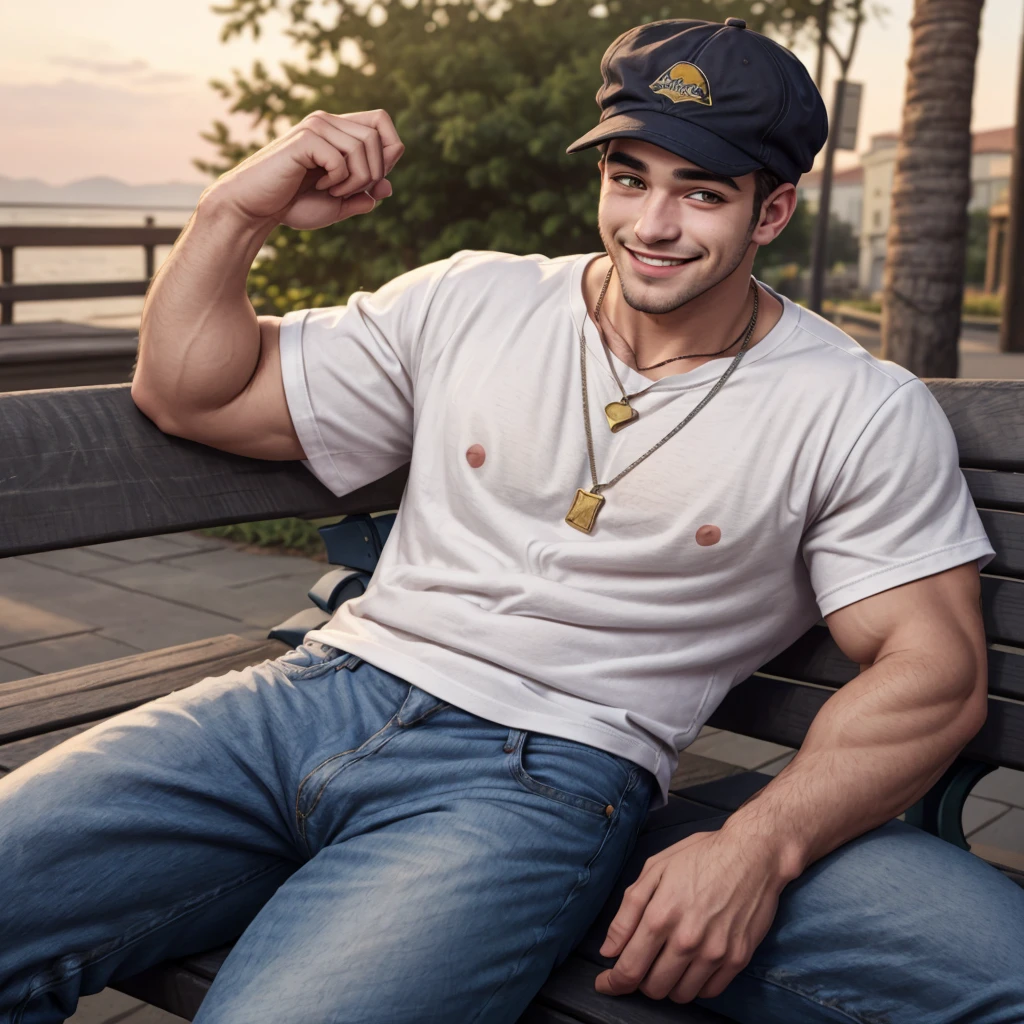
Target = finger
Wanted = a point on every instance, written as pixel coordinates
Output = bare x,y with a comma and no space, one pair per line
392,145
631,968
674,963
352,148
630,912
694,980
316,153
339,126
718,981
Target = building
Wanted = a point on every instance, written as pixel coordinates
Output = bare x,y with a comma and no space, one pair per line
991,157
847,190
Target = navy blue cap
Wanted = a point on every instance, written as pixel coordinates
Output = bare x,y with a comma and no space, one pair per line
720,95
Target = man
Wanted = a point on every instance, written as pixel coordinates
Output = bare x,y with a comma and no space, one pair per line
417,814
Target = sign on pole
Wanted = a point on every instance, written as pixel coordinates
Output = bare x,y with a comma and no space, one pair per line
846,136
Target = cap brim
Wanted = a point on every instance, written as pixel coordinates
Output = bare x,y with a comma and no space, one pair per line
684,138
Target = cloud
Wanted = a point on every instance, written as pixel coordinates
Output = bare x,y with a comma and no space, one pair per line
101,67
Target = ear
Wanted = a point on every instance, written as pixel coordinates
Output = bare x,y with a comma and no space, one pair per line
776,212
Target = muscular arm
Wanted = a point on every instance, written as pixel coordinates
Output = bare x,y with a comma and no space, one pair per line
692,920
208,367
882,740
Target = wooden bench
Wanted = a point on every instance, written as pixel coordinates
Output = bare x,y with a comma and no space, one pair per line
83,465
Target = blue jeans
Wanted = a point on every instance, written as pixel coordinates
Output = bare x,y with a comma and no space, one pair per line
387,857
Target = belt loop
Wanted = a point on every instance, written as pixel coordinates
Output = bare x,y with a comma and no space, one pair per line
515,740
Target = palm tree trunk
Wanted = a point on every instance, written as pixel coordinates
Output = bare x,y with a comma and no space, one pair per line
924,265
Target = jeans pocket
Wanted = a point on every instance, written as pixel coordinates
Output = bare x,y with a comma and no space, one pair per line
571,773
314,659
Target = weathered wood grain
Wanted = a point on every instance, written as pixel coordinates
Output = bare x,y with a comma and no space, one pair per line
61,701
781,711
1006,532
570,989
816,658
993,489
84,465
1003,603
987,417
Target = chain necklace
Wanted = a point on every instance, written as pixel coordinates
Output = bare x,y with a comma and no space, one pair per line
620,413
585,506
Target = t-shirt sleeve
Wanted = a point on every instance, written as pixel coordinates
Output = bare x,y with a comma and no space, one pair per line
350,373
899,508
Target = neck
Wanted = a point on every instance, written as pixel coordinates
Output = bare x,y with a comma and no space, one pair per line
707,323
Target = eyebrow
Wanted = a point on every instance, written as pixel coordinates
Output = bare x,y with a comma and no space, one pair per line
680,173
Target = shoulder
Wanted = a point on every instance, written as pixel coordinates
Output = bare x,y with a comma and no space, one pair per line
822,368
469,269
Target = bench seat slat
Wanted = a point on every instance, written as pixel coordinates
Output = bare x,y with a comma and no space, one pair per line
124,683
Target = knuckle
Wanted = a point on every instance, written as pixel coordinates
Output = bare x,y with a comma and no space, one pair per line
736,960
683,942
715,952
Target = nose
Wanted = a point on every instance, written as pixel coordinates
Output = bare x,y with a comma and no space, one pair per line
659,220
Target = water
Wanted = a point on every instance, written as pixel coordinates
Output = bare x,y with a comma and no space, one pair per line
99,263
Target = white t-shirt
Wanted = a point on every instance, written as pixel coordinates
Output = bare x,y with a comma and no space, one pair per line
830,475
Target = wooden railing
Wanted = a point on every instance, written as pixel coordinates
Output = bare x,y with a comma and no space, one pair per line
12,237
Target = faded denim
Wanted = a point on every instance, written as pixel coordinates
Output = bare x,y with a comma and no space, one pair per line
388,858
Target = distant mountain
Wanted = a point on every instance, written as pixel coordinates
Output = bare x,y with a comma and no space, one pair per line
106,191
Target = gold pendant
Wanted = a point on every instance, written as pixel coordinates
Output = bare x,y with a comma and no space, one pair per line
584,510
620,414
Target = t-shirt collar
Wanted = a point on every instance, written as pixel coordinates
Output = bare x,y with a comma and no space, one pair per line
709,371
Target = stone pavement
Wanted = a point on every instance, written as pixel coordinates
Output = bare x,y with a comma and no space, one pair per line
65,609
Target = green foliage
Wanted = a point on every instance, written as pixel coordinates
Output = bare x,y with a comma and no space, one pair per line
298,535
485,98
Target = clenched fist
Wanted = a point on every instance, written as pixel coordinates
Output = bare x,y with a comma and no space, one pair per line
324,169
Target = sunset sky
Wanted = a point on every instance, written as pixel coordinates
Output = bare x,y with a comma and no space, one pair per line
119,87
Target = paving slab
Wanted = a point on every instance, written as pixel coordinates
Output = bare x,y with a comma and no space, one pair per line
140,620
67,652
776,766
1004,784
24,620
76,560
978,813
265,602
138,549
1006,832
110,1007
734,748
230,566
9,672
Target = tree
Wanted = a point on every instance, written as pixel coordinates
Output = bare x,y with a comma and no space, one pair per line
925,262
485,98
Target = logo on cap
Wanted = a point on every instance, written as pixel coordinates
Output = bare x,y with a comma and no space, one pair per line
682,82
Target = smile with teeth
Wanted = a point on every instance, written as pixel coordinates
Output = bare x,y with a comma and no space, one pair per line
650,261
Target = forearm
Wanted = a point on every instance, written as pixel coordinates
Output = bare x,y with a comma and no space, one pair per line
875,747
199,340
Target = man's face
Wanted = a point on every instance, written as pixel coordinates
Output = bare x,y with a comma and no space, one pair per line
657,204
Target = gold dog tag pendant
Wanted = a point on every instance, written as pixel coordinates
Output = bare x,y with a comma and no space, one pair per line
620,414
584,510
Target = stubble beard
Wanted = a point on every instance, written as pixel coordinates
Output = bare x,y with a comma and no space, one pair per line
687,293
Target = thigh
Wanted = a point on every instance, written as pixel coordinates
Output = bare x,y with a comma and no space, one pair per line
157,833
895,925
482,857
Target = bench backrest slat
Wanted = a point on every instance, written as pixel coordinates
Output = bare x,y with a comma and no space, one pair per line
781,711
84,465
